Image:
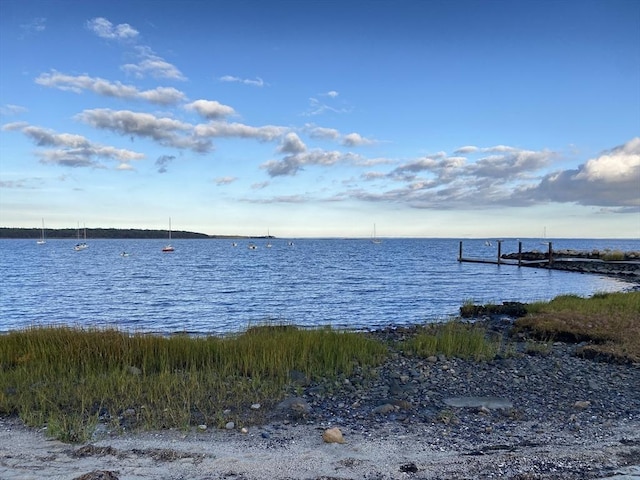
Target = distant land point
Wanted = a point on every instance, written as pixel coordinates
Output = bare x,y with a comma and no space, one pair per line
110,233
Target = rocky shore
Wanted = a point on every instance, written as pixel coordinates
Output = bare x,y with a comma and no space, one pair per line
623,265
538,412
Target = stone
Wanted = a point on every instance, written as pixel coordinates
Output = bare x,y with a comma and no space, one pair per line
333,435
409,468
98,475
478,402
230,425
202,427
295,406
255,406
582,404
384,409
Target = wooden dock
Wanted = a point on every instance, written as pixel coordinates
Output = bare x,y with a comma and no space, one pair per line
501,261
625,269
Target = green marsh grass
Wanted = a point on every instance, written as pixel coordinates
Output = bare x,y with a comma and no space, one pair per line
454,339
609,321
69,379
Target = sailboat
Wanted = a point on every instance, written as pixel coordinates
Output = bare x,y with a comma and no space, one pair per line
81,245
374,238
168,248
269,245
42,241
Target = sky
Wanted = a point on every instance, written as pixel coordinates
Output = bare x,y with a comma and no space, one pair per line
323,118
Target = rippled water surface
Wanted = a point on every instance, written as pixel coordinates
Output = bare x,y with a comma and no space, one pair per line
209,286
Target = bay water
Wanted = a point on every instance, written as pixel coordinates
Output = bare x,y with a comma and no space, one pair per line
212,287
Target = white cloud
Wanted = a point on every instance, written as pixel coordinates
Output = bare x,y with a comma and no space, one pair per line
107,30
292,164
152,65
466,150
356,140
618,165
316,107
292,144
72,150
257,82
609,180
37,25
239,130
321,132
511,163
224,180
165,131
210,109
11,110
100,86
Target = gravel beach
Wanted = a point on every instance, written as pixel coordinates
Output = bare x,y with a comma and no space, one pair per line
534,414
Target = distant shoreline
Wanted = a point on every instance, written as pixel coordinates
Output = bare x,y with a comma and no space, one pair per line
19,233
9,233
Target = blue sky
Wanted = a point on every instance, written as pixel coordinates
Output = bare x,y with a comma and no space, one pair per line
323,118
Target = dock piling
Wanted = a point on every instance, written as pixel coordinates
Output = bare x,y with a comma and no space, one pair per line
519,253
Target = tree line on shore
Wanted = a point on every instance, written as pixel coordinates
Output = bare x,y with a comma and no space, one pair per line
116,233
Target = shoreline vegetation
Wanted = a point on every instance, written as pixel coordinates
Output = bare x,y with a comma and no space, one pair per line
109,233
78,382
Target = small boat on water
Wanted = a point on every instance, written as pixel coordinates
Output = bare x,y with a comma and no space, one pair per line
168,248
81,245
252,246
374,237
124,254
42,241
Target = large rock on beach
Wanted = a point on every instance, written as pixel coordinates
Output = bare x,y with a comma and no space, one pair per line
333,435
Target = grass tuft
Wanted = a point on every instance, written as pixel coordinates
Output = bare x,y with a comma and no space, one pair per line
454,339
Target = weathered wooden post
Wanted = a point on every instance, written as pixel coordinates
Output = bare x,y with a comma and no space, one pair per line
460,252
499,251
550,253
520,254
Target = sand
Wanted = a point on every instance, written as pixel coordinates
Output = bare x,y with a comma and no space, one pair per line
298,452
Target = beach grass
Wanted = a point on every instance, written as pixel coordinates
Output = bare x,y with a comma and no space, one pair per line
70,379
454,339
608,322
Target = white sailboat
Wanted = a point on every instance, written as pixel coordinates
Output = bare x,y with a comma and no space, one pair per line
81,245
42,241
269,245
374,238
168,248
